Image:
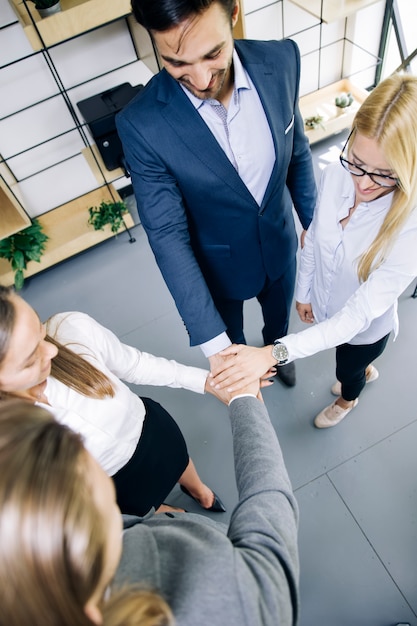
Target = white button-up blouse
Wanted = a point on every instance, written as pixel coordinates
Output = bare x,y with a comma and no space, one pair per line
111,427
346,310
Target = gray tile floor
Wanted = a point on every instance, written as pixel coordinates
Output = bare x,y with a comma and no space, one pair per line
356,484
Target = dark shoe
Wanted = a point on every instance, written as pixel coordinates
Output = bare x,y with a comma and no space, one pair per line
286,373
216,507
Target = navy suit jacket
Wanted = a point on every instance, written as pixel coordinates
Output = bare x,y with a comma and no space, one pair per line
208,234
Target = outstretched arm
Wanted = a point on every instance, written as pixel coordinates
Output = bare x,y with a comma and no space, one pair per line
104,349
263,528
163,216
371,300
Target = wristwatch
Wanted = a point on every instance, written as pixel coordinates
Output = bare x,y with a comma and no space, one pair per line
280,352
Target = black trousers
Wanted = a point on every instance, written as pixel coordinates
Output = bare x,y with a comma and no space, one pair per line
351,363
275,300
158,462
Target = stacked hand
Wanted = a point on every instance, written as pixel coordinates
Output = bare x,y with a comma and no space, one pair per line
240,368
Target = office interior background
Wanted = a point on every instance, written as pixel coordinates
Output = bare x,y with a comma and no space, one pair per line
356,484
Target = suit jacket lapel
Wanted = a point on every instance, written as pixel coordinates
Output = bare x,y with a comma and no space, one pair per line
180,114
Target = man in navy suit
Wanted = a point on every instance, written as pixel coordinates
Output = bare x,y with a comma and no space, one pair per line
216,149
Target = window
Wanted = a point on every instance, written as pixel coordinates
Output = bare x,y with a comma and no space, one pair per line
398,39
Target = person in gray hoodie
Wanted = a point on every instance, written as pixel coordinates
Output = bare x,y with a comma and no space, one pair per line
245,573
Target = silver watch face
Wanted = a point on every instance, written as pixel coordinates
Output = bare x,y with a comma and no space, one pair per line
280,353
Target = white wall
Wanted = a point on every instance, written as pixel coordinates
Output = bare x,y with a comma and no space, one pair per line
344,48
38,137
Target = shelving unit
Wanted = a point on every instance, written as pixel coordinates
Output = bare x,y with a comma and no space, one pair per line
331,10
13,217
322,102
69,232
96,164
67,225
75,18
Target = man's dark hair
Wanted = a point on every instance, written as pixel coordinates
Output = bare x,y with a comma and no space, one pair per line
160,15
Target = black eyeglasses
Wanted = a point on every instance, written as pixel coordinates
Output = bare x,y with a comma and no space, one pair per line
379,179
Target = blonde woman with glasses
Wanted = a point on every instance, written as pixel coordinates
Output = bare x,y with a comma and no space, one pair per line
360,253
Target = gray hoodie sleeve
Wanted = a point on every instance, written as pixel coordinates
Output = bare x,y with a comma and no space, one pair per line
263,527
243,574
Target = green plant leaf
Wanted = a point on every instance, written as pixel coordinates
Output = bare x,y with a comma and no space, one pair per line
22,242
19,279
34,255
107,213
26,245
18,261
6,251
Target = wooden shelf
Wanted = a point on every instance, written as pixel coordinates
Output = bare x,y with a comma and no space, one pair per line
69,232
13,217
332,9
102,171
321,102
75,18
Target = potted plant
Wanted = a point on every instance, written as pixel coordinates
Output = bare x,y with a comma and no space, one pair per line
22,247
47,7
107,213
313,122
344,100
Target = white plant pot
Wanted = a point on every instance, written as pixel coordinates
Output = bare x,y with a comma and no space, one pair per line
50,10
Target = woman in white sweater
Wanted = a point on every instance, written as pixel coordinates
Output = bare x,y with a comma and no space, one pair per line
359,255
74,366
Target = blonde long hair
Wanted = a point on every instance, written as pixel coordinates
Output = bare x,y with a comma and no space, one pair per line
68,367
389,115
52,536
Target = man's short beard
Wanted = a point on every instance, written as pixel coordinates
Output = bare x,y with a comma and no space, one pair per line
206,94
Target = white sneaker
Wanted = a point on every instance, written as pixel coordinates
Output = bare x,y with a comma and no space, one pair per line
373,375
332,415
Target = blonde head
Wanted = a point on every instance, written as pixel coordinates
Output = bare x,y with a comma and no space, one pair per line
67,366
52,535
389,116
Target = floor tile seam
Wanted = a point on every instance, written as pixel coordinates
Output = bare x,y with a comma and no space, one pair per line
354,456
361,530
371,446
374,550
142,326
309,482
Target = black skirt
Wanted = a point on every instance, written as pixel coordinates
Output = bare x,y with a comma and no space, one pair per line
159,460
